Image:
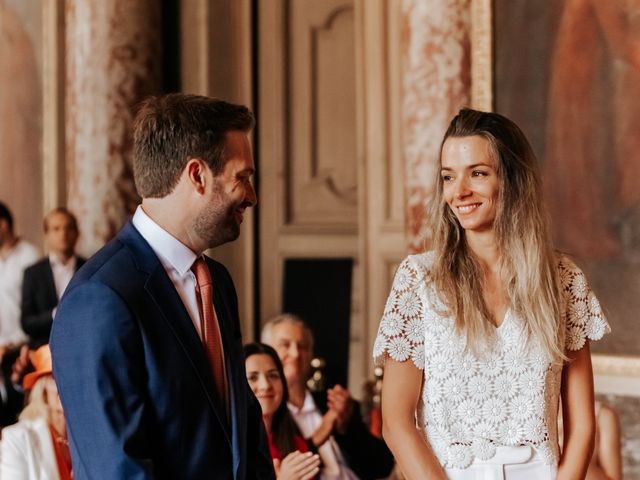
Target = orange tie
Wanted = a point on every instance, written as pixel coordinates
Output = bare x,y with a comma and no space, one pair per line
210,327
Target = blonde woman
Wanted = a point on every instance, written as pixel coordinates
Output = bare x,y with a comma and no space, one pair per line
36,448
484,334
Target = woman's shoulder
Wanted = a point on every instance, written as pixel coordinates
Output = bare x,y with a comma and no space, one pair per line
421,263
565,263
571,275
585,318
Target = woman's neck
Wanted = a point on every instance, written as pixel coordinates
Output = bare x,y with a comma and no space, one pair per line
485,248
268,422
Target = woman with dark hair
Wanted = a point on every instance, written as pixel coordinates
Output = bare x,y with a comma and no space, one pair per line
495,321
291,453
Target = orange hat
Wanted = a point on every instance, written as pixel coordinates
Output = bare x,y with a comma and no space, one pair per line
41,360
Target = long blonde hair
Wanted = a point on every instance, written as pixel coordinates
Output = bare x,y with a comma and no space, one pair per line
528,261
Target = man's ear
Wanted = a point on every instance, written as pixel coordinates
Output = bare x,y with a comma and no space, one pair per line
196,170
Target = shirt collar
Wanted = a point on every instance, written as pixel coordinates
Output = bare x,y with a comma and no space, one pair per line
309,406
55,262
166,246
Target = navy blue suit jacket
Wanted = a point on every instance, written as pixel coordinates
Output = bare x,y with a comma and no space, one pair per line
134,381
39,298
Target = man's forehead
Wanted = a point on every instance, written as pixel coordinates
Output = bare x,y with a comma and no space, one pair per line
58,219
290,331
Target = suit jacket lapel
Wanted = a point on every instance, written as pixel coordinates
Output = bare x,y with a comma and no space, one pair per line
235,370
52,294
170,306
79,262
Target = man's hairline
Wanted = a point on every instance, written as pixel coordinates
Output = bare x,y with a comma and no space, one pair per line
57,211
223,152
266,335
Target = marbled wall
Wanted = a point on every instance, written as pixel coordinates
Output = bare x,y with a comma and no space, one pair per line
113,61
21,114
436,72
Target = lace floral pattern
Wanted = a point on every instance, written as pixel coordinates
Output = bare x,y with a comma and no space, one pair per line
585,319
470,405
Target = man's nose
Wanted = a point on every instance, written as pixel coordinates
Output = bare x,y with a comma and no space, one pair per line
251,196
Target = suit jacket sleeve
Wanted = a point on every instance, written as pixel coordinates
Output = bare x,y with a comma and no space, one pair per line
367,455
98,363
36,321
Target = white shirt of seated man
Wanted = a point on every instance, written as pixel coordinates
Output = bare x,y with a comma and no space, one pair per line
308,418
294,344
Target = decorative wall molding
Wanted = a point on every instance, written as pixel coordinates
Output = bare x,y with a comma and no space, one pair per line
321,163
379,27
617,375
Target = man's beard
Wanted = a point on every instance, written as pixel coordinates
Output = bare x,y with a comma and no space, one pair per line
217,224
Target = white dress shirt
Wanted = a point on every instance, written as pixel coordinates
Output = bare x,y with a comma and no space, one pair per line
308,419
12,269
62,272
27,451
175,257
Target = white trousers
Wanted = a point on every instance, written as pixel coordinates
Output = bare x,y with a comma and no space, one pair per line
509,463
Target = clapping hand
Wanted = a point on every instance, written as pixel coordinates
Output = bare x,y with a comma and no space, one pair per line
339,400
297,466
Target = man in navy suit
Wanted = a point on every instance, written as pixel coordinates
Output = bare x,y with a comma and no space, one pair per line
45,281
129,355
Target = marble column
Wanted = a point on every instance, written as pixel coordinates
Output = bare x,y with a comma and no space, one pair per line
113,61
436,70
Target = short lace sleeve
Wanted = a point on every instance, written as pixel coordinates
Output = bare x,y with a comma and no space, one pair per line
584,316
402,329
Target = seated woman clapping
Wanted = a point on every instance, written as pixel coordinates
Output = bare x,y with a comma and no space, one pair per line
291,453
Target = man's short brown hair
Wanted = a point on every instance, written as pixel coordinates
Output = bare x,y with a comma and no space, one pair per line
170,129
62,211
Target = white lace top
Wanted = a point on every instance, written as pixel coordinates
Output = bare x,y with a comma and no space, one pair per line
470,405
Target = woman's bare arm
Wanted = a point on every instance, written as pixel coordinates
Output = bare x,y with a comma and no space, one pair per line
578,415
400,396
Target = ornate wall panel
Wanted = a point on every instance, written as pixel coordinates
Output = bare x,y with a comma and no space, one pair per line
307,127
322,166
382,240
308,140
